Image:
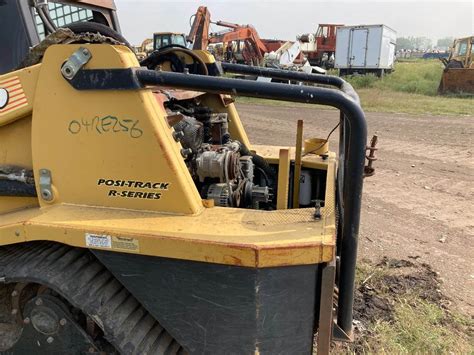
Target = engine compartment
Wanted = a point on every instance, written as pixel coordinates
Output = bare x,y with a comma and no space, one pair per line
223,169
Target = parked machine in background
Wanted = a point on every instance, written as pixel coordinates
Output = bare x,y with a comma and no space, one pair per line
144,49
319,48
240,43
165,39
365,49
458,74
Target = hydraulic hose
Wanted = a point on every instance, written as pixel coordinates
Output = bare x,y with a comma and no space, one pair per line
260,162
43,12
16,188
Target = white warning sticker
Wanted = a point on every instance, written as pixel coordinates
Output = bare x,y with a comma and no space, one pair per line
98,241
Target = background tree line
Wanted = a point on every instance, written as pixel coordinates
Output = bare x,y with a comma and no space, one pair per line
422,43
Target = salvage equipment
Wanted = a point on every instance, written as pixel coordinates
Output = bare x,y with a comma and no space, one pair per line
458,73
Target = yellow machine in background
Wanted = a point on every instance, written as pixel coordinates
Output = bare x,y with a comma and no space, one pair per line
137,218
143,50
458,75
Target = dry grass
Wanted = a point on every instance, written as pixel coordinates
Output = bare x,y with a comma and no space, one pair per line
383,100
401,311
410,89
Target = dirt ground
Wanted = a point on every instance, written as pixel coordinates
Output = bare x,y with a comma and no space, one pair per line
419,206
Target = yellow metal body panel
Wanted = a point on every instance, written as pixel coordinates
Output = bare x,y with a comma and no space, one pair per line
283,179
310,161
218,235
80,137
89,139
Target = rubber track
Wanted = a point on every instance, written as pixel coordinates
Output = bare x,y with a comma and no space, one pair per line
77,275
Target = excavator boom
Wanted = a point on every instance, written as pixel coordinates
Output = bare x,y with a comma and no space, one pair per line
199,33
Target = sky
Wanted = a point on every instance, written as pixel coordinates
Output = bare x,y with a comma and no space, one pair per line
276,19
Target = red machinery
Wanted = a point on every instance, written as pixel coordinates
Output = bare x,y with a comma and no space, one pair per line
199,33
249,48
324,45
241,43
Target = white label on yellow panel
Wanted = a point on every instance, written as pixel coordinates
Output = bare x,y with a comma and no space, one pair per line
99,241
109,242
125,244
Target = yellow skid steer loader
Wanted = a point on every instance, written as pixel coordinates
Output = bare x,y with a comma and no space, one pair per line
137,218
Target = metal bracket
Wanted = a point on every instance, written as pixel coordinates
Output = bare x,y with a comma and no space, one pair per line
75,62
339,335
46,191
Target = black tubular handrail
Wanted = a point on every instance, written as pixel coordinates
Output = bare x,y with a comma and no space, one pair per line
291,75
345,99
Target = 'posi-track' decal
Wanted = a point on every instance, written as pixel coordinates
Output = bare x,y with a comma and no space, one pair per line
12,96
128,188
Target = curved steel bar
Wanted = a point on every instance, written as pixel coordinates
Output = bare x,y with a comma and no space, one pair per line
292,75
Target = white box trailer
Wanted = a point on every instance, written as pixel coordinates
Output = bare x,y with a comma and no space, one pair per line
365,49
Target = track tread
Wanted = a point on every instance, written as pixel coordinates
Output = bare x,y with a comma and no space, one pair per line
148,340
87,284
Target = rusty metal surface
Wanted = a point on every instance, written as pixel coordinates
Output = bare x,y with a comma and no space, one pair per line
63,36
326,315
369,170
457,80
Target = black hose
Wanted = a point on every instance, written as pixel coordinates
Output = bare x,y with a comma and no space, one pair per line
261,163
16,189
293,75
46,19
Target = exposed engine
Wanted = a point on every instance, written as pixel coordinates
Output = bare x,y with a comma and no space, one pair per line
223,169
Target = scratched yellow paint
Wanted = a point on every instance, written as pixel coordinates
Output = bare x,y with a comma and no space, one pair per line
77,135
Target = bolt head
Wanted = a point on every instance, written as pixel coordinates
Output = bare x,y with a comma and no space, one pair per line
63,322
26,320
50,340
39,302
14,312
185,152
14,293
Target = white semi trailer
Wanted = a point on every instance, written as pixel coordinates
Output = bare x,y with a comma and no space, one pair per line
365,49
